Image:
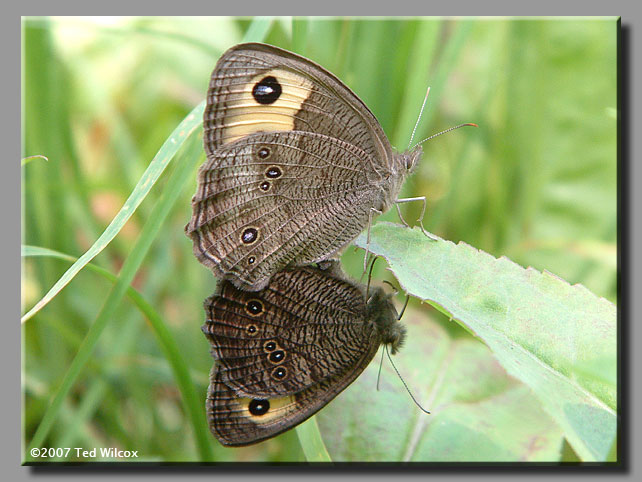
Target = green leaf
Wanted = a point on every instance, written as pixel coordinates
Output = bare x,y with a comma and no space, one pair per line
478,412
541,329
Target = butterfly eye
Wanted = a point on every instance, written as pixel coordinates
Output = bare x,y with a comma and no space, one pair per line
259,407
254,307
279,373
267,90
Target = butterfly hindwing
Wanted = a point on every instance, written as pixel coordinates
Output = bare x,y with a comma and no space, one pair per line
274,199
236,420
306,326
325,330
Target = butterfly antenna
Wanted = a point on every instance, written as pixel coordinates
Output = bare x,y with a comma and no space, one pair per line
469,124
396,291
412,136
380,365
403,310
404,382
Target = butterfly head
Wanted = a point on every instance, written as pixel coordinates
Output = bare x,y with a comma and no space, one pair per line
402,165
408,160
382,312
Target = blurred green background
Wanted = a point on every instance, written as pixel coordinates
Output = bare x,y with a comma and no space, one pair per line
536,182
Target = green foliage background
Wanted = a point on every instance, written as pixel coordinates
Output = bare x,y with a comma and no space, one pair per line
535,182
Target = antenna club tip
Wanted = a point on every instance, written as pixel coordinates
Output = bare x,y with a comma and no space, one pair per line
471,124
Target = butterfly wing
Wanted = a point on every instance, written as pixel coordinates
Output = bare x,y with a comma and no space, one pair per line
237,420
260,88
295,162
274,199
305,327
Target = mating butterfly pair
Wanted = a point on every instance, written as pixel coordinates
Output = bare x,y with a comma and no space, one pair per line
296,167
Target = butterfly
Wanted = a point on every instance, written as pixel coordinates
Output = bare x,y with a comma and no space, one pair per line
284,352
297,166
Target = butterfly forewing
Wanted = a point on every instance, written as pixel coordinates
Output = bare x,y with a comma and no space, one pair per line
257,87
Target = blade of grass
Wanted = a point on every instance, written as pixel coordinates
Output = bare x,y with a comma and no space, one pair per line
74,425
45,209
191,401
170,194
27,160
258,29
300,29
312,442
443,209
147,181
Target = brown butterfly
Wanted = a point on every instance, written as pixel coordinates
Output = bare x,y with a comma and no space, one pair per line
297,166
284,352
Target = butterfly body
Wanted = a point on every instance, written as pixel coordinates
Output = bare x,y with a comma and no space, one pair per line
296,164
284,352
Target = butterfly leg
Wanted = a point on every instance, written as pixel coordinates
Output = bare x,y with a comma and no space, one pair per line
420,220
400,216
370,277
365,258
